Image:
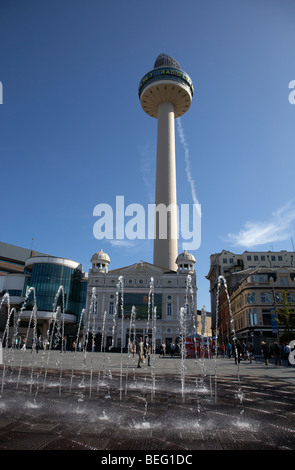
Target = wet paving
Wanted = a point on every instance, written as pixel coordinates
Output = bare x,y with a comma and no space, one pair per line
145,413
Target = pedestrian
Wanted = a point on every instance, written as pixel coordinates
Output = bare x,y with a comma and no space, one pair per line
172,349
277,353
140,352
237,351
64,344
244,351
229,350
265,351
162,350
148,350
250,351
35,344
222,349
287,351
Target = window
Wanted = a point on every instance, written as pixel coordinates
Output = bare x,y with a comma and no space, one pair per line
253,316
280,258
111,308
273,258
14,292
283,281
224,260
251,298
263,258
266,297
290,297
169,310
255,258
258,278
266,319
248,258
231,260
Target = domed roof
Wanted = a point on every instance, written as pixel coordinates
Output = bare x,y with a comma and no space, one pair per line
185,256
100,256
165,60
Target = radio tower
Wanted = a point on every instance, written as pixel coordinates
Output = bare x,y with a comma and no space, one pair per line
166,93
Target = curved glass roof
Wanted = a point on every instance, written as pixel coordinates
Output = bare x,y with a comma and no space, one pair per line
164,60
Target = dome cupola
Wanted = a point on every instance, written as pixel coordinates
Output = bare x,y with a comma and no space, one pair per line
100,261
185,262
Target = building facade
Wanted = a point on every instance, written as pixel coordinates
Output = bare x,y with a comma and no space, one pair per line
48,274
44,274
256,283
143,286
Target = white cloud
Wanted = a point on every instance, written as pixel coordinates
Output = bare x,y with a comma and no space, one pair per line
189,176
120,242
278,228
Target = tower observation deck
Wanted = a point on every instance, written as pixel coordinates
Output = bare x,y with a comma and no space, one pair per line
166,93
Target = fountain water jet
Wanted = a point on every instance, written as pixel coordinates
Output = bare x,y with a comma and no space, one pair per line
239,393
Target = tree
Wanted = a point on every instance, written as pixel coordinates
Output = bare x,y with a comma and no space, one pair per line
286,318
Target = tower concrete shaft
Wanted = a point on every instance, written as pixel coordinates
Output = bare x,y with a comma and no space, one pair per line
166,237
166,93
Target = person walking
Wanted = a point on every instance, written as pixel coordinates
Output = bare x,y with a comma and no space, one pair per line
148,350
277,353
265,351
250,351
172,349
140,352
237,352
163,348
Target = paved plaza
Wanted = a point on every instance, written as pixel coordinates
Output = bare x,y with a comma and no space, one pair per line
96,401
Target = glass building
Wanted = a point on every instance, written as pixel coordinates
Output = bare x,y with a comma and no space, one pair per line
47,274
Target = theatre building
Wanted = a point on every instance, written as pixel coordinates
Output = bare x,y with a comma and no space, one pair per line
142,284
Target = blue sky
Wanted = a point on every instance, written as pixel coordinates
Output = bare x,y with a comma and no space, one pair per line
73,134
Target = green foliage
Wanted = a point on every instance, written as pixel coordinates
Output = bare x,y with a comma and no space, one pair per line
286,315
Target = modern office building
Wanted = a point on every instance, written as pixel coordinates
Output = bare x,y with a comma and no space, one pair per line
47,274
13,258
256,282
26,268
12,265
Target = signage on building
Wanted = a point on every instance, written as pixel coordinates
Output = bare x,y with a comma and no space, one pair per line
161,73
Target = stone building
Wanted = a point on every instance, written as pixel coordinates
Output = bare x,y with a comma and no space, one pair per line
255,282
143,285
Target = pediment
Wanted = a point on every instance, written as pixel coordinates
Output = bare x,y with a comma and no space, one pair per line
142,267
